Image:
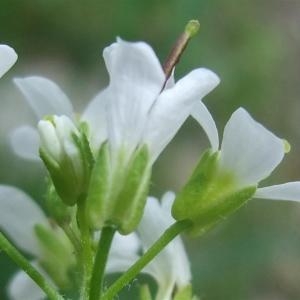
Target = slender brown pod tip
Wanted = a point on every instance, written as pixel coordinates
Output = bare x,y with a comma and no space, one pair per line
173,58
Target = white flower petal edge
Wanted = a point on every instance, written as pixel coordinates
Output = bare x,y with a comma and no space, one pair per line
287,191
249,150
25,142
171,267
174,105
123,253
206,121
95,116
136,79
44,96
18,216
22,287
8,57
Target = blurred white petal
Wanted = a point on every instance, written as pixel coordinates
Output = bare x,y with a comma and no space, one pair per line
96,117
171,267
18,216
249,150
174,105
22,287
8,57
44,96
206,121
25,142
123,253
287,191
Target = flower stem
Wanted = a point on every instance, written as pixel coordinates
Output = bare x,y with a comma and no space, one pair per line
87,252
104,245
32,272
72,237
153,251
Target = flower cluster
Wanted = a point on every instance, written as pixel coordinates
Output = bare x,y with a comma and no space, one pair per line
101,218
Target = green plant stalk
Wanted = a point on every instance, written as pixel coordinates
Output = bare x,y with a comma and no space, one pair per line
72,237
87,251
153,251
104,245
32,272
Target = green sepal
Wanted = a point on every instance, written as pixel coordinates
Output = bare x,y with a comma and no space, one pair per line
145,293
98,197
132,198
57,209
209,196
117,196
57,255
63,179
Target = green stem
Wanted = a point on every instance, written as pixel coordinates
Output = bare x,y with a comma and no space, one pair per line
153,251
32,272
104,245
72,237
87,252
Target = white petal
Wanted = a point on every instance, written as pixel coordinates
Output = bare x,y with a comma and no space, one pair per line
95,116
171,266
249,150
44,96
22,287
174,105
49,141
8,57
205,119
136,79
18,216
25,142
123,253
288,191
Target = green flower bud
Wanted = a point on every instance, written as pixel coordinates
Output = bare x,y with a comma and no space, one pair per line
57,209
117,195
210,195
67,156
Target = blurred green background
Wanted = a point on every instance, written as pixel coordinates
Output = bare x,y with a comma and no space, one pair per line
254,46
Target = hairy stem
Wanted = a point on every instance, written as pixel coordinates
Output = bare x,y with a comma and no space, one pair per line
104,245
87,251
153,251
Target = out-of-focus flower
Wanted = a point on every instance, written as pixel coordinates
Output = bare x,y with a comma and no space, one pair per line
20,217
170,268
29,229
8,57
225,179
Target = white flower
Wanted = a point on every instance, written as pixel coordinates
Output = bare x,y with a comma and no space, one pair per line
26,225
171,268
132,111
18,217
19,214
249,152
8,57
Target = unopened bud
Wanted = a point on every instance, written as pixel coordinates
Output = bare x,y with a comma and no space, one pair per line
66,154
